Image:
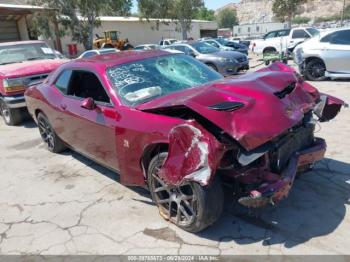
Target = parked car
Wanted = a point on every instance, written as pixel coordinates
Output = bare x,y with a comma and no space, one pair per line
168,122
147,47
94,52
224,62
167,41
283,40
217,44
325,56
235,46
21,63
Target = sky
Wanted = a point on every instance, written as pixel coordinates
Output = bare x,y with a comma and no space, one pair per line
210,4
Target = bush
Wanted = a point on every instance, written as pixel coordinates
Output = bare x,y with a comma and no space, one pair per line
300,20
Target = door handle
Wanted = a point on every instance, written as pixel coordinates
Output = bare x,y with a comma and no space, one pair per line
63,106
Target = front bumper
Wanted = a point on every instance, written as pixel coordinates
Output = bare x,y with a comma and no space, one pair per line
17,101
278,189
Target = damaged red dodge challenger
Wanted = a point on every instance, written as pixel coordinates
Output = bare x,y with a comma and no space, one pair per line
169,122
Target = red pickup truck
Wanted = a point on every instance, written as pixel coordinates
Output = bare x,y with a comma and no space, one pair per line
22,63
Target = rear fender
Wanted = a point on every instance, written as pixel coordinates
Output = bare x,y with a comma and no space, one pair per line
194,155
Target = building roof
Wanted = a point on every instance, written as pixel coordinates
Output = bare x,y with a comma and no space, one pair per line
21,42
137,19
15,7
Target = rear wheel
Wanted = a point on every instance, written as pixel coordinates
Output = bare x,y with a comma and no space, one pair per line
52,141
11,116
189,205
269,51
315,70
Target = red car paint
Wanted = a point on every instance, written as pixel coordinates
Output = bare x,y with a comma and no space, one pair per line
26,68
125,138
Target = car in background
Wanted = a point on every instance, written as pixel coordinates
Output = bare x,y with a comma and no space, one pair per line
217,44
167,41
235,46
167,122
283,40
325,56
94,52
147,47
21,64
224,62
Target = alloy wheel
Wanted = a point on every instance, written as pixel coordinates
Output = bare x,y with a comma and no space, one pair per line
317,70
176,203
46,133
5,112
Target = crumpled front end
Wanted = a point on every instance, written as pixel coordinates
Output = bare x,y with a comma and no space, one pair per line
258,142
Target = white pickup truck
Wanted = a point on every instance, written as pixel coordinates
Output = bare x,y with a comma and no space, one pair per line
282,40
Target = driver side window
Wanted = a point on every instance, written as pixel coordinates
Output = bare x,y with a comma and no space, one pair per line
85,84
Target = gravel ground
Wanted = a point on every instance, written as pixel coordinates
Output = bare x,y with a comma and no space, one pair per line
66,204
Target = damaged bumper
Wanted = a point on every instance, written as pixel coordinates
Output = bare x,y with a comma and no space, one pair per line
279,187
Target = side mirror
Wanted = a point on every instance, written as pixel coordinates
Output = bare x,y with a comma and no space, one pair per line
88,103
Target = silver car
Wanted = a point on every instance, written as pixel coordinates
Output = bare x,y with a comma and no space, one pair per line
325,56
224,62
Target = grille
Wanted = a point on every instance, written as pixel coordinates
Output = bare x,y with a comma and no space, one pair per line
288,145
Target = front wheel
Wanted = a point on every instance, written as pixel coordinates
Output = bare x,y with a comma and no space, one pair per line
11,116
315,70
190,206
53,142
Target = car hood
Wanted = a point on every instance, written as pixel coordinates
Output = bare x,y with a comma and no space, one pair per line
263,116
30,67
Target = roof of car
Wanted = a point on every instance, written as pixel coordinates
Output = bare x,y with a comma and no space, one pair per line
113,59
21,42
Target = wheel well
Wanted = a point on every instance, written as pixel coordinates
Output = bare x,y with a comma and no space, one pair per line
270,48
150,152
36,113
309,59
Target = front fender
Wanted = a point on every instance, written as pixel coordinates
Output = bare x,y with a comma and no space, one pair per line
194,155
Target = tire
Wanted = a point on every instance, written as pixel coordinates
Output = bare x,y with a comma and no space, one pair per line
213,67
53,142
315,70
11,116
269,50
203,205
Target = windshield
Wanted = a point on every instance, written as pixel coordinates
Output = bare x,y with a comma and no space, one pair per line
204,48
141,81
313,31
25,52
222,41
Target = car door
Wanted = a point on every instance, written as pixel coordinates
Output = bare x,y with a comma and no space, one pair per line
89,131
336,52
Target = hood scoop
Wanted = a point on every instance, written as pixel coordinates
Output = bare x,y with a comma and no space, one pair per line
226,106
286,91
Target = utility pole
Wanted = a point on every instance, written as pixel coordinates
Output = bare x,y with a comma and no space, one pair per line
342,15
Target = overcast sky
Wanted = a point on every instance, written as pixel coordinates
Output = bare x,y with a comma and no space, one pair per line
211,4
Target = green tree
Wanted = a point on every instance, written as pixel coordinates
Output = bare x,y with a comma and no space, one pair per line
227,18
205,14
79,16
180,11
285,10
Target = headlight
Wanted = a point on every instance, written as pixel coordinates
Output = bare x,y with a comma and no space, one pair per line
13,85
227,60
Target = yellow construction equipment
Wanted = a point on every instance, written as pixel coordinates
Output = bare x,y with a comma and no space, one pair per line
111,40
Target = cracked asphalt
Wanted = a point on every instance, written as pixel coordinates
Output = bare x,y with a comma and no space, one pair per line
66,204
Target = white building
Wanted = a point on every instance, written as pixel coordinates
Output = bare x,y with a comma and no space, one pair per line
144,32
255,30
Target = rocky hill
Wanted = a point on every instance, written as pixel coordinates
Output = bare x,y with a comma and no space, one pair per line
257,11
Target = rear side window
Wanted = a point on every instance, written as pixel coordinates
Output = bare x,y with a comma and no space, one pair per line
63,81
270,35
300,33
341,38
